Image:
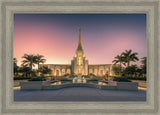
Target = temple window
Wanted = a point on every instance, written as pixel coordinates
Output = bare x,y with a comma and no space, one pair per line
101,72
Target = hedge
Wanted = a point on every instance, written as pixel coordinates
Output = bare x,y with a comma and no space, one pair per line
21,78
121,79
137,78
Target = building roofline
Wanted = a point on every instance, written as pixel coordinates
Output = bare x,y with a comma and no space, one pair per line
100,64
55,64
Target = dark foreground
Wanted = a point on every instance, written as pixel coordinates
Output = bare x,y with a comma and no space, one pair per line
79,94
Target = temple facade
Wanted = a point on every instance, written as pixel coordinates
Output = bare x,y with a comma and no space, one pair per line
79,64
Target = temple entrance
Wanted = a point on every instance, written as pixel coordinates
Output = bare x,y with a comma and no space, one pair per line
57,72
79,70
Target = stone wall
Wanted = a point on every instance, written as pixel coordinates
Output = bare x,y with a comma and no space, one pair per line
31,85
58,69
100,69
62,69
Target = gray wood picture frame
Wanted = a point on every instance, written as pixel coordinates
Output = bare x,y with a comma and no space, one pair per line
9,7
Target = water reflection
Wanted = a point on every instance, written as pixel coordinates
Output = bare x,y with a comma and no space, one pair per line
56,83
102,83
62,82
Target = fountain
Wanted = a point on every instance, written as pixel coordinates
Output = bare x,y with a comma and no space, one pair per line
79,79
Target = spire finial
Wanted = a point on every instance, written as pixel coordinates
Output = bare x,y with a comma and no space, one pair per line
79,42
79,29
79,34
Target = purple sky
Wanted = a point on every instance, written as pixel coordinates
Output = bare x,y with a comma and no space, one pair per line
56,36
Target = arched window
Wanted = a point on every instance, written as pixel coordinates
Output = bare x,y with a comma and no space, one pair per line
63,71
68,71
101,72
90,70
95,71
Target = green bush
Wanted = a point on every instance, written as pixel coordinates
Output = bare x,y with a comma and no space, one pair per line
93,75
38,79
86,76
21,78
65,79
93,79
121,79
137,78
72,76
67,74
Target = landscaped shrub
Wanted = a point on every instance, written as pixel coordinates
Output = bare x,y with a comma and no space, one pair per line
65,79
72,76
93,79
93,75
67,74
137,78
86,76
21,78
38,79
121,79
49,77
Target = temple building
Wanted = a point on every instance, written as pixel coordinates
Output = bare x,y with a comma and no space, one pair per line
79,64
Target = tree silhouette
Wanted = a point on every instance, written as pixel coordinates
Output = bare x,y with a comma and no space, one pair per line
130,70
29,60
25,70
39,59
15,66
128,56
45,70
119,59
144,65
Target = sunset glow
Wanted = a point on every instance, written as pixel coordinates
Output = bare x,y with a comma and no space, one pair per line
56,36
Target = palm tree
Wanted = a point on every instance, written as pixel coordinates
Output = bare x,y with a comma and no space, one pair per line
39,59
119,59
144,65
116,70
45,70
15,61
130,70
29,60
15,67
25,70
144,61
128,56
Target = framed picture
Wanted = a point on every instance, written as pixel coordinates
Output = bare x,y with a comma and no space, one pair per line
79,57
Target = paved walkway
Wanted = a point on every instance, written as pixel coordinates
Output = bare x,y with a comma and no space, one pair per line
79,94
